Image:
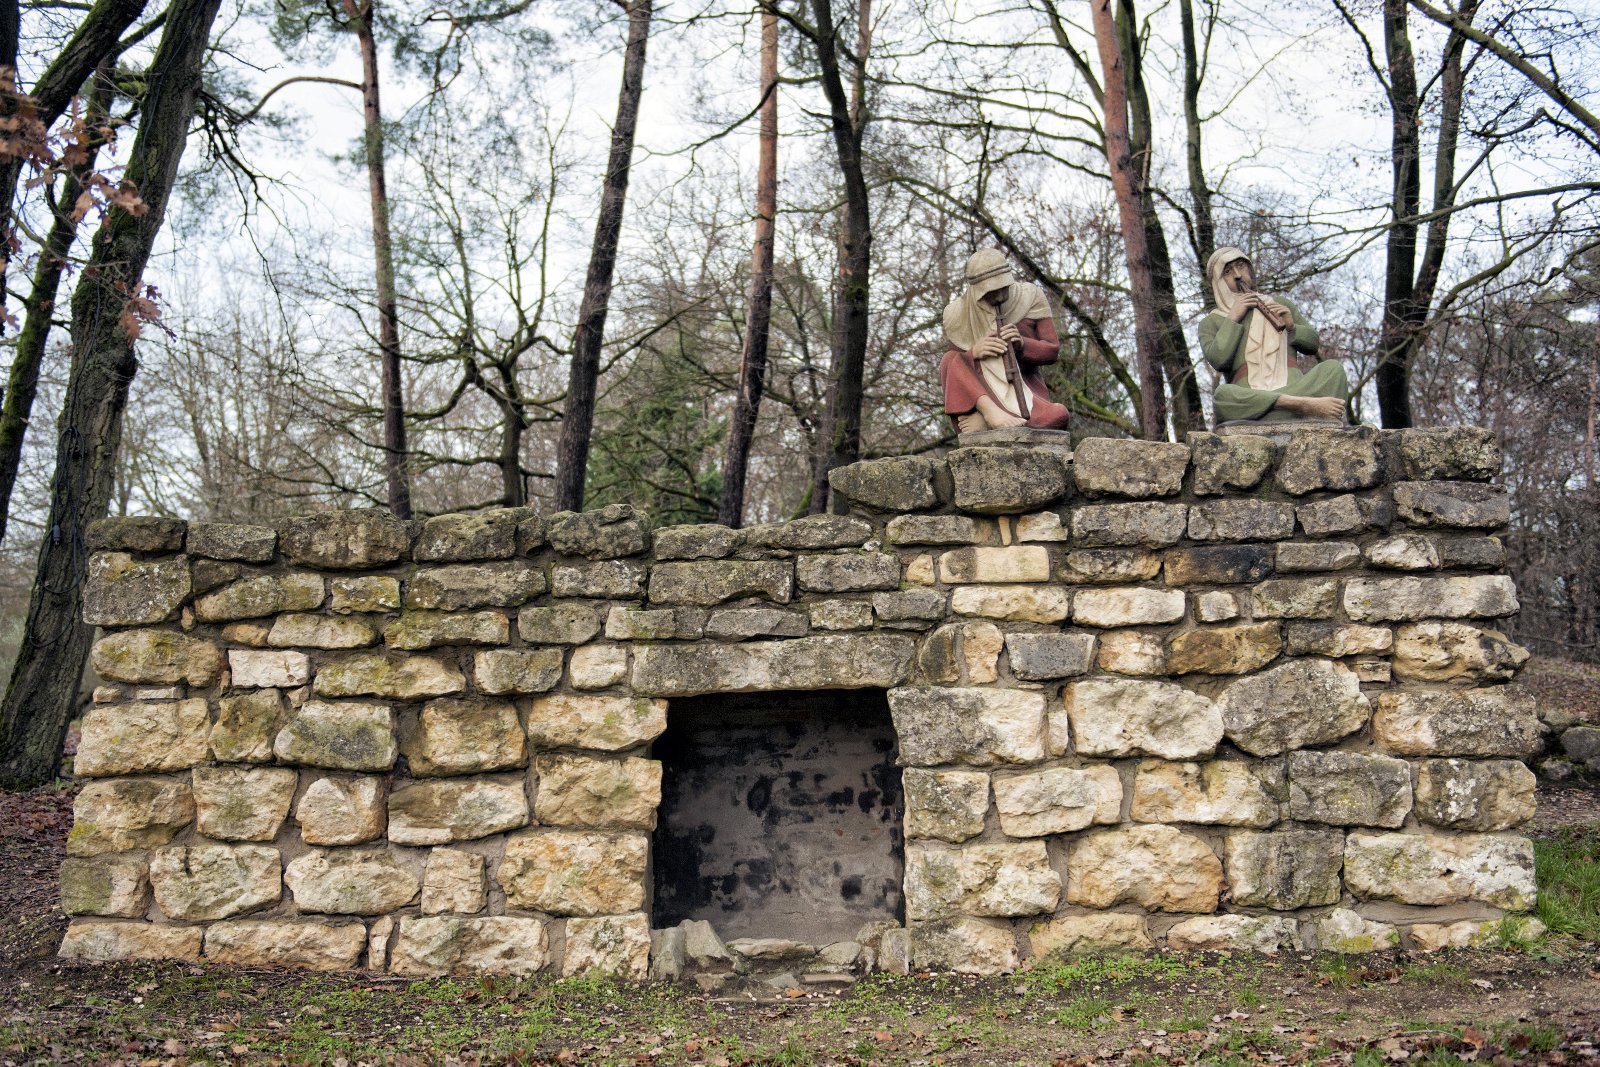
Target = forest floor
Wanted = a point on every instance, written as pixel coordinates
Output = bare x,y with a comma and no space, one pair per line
1537,1003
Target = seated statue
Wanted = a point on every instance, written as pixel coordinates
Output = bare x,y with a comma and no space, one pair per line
1000,332
1248,337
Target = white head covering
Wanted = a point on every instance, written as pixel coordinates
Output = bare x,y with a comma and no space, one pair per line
1266,348
969,318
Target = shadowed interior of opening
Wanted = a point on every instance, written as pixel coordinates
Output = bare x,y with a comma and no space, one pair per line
780,815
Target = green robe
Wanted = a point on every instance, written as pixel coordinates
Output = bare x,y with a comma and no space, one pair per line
1222,342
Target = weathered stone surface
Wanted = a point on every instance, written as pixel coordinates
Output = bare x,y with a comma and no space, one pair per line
901,483
564,624
604,533
106,885
1133,652
208,574
347,736
1345,515
1404,552
261,595
1109,466
1145,525
1127,606
945,805
1469,452
1006,481
811,533
1125,717
1223,792
607,579
452,881
737,624
130,941
841,614
264,669
1224,649
993,565
1068,935
1582,743
125,813
393,677
1454,505
303,946
1284,869
1498,721
771,948
532,535
468,536
1087,566
695,541
1471,551
1345,458
465,586
1455,652
981,645
1304,556
1241,520
1266,934
342,811
1293,705
617,945
418,630
849,572
135,738
456,809
1496,869
1332,639
156,657
1349,789
831,662
1481,795
1036,657
567,872
1011,603
345,540
1159,868
607,793
134,533
1469,933
657,624
347,881
465,736
1218,565
120,592
440,944
1058,800
204,882
1484,596
1009,879
979,727
966,946
1295,598
320,631
938,530
708,582
242,803
373,593
1215,606
607,723
500,671
1224,463
596,666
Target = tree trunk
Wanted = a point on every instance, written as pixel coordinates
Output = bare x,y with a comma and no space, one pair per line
513,488
1205,231
758,313
572,451
1130,208
44,682
1399,287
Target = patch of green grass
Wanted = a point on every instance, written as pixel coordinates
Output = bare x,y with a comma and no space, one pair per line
1249,994
1528,1037
1062,972
1084,1013
1368,1057
1340,969
1194,1017
1437,971
1567,868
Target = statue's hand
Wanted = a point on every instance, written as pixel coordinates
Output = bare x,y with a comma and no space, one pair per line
1246,303
988,348
1009,335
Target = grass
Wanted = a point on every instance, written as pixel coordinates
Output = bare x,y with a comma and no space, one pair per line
1567,866
1057,973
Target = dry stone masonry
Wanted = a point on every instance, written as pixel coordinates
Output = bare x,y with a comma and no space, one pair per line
1234,693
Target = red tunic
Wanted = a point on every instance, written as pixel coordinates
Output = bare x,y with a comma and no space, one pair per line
963,383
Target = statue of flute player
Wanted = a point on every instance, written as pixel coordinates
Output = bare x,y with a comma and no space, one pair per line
1000,333
1249,337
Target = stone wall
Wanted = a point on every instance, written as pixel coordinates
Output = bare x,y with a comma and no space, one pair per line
1229,693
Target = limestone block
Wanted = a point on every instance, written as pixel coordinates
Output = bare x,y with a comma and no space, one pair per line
1037,657
465,736
981,645
1223,792
203,882
1471,551
1215,606
938,657
342,811
1302,556
1000,880
242,803
1241,520
1404,552
829,662
368,594
135,533
811,532
772,948
965,946
738,624
995,565
117,885
1295,598
1127,717
608,579
125,813
1159,868
1339,459
305,946
1349,789
1107,931
901,483
695,541
452,881
1144,525
105,942
268,668
474,535
1431,937
945,805
573,872
206,575
1582,744
1127,606
532,535
136,738
261,595
320,631
579,791
977,727
596,666
1296,704
350,881
601,534
1453,505
418,630
564,624
1224,463
1040,526
1345,515
1011,603
1332,639
1481,795
456,809
1089,566
1497,721
120,592
394,677
841,614
1006,481
466,586
343,736
1132,652
446,944
345,540
1109,466
938,530
617,945
156,657
848,572
607,723
1455,652
1485,596
1496,869
1224,649
710,582
1057,800
1284,869
1469,452
502,671
1218,564
659,624
1266,934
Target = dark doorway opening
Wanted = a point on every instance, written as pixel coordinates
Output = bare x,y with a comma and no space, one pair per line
780,815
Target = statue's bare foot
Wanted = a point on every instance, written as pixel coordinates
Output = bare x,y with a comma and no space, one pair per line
971,422
1009,421
1313,407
